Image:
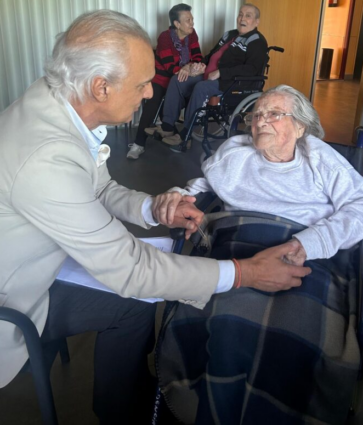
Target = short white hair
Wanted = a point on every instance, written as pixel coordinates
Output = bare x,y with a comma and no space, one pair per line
256,9
94,45
302,109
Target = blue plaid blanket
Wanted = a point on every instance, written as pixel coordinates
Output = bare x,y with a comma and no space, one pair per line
252,357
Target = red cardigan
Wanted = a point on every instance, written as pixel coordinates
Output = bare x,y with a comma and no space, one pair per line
167,57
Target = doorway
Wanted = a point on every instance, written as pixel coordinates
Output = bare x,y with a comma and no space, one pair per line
337,83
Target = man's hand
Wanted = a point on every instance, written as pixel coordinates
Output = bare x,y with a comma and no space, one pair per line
184,73
214,75
267,270
176,210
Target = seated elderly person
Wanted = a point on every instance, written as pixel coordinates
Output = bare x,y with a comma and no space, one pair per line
177,53
240,52
287,357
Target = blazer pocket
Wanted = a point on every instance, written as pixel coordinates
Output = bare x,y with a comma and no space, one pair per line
3,298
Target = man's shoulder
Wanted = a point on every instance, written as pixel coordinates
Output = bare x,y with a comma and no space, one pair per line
229,35
252,38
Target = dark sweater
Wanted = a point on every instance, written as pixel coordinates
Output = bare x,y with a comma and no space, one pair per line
245,56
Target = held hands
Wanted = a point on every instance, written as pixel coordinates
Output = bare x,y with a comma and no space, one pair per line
191,70
269,271
176,210
197,68
184,73
298,257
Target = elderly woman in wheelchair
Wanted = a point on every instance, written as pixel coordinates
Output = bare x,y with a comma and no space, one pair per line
289,357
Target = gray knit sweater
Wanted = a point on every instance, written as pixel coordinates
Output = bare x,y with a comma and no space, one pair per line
319,189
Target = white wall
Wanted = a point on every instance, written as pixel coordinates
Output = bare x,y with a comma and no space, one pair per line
28,29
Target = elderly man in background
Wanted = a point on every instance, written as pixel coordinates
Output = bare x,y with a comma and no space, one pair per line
239,52
57,199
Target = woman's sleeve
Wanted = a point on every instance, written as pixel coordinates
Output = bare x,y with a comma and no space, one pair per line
164,52
344,228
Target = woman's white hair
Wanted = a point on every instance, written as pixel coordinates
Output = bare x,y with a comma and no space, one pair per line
94,45
302,110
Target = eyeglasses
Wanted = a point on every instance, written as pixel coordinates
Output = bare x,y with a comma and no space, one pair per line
269,117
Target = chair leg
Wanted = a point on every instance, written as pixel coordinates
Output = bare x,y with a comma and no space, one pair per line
44,392
41,379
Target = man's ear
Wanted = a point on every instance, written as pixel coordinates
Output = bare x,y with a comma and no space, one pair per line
100,89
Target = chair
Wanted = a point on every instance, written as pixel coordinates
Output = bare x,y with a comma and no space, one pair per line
353,155
36,359
225,110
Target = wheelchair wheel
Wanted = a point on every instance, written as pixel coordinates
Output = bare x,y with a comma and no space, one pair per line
214,129
237,125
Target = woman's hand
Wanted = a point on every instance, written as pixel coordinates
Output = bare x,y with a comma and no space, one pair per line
268,270
176,210
184,73
197,68
214,75
296,257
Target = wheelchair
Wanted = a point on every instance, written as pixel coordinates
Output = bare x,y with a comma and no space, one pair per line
227,111
182,327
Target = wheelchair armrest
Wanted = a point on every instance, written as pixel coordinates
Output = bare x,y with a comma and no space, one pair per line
252,78
276,49
204,199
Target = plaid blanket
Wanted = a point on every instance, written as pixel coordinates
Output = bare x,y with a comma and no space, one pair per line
252,357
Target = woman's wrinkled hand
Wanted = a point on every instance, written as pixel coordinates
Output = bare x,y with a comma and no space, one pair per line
297,257
197,68
184,73
176,210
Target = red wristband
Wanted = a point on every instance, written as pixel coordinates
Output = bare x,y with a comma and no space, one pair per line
238,281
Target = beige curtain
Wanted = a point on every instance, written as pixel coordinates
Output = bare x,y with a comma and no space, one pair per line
28,29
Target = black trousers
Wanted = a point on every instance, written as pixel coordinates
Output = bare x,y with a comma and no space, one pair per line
123,386
149,110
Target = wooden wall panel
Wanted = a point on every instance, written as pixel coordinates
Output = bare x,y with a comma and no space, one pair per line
293,25
354,35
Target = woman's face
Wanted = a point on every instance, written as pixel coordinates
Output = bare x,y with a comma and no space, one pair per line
185,24
276,140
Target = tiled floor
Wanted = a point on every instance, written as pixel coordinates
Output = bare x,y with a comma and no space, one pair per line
156,171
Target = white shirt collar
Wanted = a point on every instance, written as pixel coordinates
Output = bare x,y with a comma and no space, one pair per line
93,138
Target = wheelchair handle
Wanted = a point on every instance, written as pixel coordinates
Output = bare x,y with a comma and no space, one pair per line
276,49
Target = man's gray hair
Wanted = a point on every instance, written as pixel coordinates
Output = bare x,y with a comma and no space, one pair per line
95,44
257,10
302,110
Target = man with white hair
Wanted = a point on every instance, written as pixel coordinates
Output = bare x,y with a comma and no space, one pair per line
57,199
